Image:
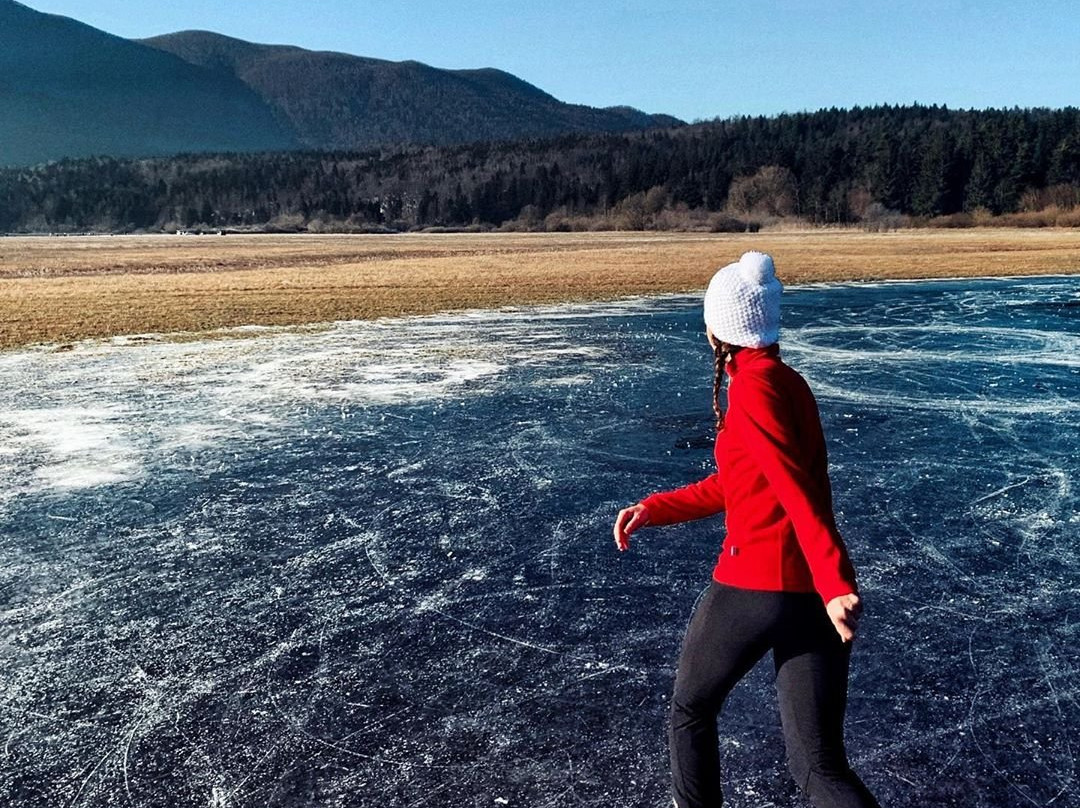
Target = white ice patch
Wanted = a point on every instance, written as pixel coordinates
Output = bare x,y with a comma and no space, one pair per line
67,447
937,366
935,342
106,411
79,475
570,381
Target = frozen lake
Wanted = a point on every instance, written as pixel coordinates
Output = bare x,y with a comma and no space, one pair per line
371,565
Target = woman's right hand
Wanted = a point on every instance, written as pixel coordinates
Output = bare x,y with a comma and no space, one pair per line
629,520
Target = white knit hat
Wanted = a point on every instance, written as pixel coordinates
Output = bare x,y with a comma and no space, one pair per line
742,303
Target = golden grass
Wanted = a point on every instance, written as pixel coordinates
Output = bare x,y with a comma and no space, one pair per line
62,289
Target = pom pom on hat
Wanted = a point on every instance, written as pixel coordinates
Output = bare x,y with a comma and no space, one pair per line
742,303
756,267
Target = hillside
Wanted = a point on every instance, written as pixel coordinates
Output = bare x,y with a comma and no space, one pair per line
338,101
70,90
871,165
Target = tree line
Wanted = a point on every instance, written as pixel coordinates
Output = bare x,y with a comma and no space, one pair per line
831,166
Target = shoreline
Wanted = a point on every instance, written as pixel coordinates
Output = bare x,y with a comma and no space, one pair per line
255,330
61,290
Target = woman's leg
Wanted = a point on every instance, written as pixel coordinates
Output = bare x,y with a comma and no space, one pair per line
729,632
811,682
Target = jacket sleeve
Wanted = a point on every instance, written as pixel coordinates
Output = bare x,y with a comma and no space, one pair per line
694,501
763,416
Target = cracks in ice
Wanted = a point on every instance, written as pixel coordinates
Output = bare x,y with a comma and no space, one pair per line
429,607
351,499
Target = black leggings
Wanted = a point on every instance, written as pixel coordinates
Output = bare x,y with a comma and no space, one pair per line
730,631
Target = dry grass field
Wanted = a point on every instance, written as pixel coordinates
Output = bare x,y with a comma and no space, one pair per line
55,290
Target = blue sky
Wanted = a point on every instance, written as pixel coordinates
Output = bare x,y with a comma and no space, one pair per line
696,60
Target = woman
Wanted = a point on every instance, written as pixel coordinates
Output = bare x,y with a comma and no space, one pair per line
783,580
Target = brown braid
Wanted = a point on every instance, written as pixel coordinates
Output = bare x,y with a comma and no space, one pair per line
719,360
722,353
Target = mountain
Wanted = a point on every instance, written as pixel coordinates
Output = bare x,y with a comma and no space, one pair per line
70,90
338,101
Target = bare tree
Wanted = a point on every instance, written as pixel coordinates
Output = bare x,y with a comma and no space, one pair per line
770,191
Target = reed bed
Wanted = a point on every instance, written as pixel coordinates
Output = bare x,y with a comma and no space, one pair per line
58,290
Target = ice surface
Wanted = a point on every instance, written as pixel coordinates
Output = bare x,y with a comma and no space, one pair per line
371,565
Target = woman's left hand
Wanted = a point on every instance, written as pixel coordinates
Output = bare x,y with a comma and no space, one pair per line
844,611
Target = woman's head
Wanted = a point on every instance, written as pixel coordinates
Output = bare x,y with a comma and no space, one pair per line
742,310
742,303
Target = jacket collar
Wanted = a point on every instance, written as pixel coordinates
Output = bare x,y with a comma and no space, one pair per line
749,356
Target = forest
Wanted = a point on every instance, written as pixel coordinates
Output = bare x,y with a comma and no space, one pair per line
883,167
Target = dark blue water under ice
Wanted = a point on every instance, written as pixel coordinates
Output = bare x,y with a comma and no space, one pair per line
371,564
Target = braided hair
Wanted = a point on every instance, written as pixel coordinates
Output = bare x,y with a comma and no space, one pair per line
722,354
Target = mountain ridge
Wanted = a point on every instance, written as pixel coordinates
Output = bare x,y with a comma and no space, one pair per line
71,90
336,100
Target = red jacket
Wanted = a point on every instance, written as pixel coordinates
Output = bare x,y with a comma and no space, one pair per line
772,482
